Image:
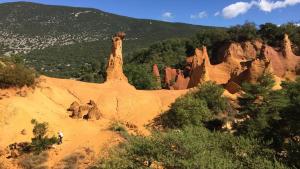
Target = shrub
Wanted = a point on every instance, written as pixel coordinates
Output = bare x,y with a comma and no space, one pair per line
262,105
141,76
117,126
16,75
196,108
34,161
187,110
41,141
193,147
213,96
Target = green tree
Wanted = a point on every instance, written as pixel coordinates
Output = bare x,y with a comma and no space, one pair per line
141,76
271,34
197,108
211,38
41,141
186,111
261,105
245,32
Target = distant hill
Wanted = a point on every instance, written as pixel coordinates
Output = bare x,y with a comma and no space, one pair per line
50,31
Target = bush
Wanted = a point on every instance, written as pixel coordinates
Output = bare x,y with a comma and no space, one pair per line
141,76
16,75
193,147
213,96
117,126
212,39
241,33
41,141
34,161
187,110
262,105
197,108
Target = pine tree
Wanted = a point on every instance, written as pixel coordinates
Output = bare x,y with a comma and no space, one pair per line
260,106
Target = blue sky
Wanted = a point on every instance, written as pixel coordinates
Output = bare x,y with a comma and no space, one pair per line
201,12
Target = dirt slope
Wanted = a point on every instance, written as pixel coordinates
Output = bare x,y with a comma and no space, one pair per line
49,101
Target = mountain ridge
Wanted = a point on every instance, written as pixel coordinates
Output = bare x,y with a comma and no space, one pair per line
24,24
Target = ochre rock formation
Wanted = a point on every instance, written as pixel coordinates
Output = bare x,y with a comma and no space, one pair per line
156,74
239,62
114,70
170,76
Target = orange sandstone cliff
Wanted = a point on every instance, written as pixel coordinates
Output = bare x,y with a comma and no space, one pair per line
239,62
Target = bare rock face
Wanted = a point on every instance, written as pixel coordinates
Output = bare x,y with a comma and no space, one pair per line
181,82
156,74
239,62
114,70
287,47
170,76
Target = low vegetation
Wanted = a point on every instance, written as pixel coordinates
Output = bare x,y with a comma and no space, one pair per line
34,161
198,108
40,140
13,73
117,126
267,137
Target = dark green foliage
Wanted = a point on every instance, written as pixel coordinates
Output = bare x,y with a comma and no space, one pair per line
77,60
41,142
268,138
273,117
15,74
261,104
187,110
196,108
271,34
167,53
294,35
244,32
292,114
213,96
287,130
213,39
141,76
192,147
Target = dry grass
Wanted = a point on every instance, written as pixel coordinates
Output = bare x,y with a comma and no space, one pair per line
32,161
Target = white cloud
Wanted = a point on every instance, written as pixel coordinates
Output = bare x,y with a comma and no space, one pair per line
268,6
297,24
240,8
199,15
217,13
236,9
167,15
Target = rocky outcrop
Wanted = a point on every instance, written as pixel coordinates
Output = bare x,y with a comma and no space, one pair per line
170,76
89,111
240,62
156,74
114,70
287,47
181,82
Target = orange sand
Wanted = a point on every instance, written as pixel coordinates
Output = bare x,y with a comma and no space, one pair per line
49,101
